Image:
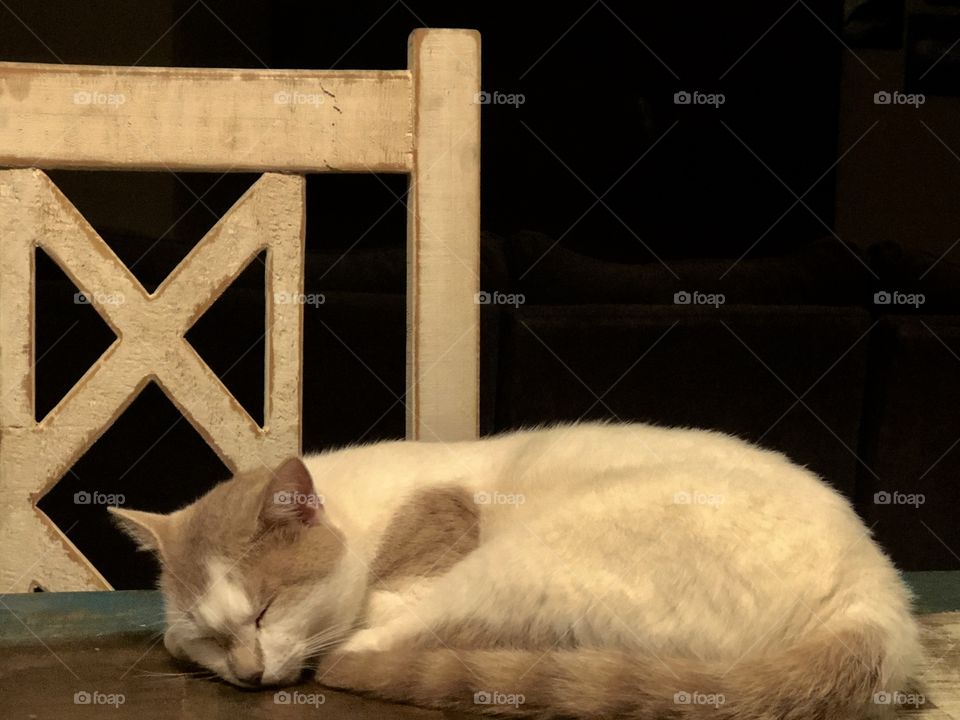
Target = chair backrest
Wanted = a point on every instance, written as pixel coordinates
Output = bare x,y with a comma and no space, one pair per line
423,121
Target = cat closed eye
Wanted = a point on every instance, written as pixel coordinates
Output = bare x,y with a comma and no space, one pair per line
262,613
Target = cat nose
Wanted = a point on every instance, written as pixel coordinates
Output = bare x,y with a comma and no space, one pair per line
246,665
252,678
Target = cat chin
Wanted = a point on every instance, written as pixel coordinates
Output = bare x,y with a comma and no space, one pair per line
289,678
285,658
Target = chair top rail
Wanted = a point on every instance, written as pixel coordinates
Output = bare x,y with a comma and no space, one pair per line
205,119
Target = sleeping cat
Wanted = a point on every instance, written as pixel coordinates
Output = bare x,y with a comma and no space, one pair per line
582,570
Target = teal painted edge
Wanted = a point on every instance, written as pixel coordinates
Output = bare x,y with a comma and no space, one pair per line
935,591
54,617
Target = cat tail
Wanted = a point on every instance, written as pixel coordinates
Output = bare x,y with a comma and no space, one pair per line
839,675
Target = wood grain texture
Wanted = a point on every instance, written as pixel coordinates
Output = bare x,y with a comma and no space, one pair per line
940,679
150,345
80,116
443,237
121,624
126,621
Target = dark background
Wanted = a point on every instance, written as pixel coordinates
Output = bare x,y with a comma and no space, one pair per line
798,199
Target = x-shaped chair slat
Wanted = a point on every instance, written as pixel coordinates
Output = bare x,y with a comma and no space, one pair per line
150,345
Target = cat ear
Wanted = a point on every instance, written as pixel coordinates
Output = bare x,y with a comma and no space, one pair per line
147,529
290,499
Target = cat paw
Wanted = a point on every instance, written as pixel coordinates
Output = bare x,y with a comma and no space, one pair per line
371,640
383,607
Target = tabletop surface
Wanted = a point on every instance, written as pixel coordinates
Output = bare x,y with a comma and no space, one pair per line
75,655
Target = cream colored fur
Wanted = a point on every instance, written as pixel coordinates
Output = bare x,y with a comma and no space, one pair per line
685,556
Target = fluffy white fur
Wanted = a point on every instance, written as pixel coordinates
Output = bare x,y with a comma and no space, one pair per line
655,541
763,553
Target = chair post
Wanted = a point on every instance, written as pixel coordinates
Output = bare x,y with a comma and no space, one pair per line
443,237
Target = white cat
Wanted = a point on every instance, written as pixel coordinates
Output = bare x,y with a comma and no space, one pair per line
582,570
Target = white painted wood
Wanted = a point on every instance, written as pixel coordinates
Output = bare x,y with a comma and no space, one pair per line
76,116
443,237
150,343
424,120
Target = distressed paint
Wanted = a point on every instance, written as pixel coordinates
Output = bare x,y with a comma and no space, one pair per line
79,616
77,116
443,238
424,120
150,345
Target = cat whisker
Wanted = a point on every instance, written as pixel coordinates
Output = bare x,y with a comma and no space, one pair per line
338,629
328,636
316,648
335,637
318,642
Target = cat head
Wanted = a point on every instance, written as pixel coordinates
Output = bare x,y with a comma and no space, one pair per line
251,575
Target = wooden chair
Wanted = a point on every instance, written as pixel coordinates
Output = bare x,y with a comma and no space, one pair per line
424,121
